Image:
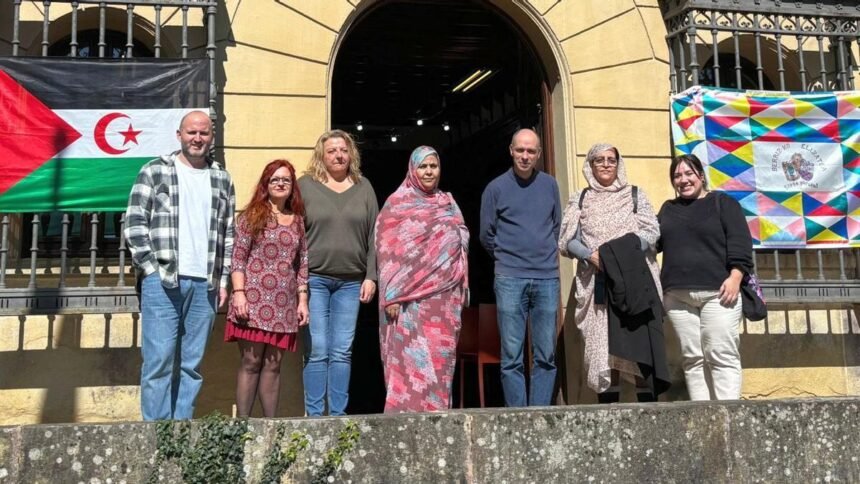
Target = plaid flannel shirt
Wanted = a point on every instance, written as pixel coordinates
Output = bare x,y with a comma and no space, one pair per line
152,219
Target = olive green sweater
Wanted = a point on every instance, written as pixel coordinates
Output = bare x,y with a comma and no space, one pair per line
340,229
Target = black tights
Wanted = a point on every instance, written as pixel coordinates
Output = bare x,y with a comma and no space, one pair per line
259,373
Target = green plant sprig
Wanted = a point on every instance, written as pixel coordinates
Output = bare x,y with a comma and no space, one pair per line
346,440
279,461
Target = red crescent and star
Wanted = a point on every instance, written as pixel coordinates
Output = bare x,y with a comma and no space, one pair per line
129,135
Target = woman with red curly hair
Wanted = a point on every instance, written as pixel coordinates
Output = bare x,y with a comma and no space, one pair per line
270,285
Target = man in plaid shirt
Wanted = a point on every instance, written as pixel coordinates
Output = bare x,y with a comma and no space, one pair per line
179,227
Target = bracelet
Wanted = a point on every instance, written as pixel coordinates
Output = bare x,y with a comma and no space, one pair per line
238,290
302,291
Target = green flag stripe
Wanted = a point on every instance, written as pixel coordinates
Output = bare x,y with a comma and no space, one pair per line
75,184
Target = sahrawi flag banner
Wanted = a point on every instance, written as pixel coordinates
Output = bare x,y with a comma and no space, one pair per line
75,132
792,160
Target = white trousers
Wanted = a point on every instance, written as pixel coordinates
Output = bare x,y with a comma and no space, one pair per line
708,333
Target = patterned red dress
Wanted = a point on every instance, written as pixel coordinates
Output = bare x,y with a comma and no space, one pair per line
274,266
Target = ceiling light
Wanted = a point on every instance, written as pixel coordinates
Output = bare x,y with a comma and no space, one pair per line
394,138
467,80
420,122
359,126
446,127
478,80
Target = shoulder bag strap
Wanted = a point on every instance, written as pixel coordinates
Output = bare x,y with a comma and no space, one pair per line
582,196
635,193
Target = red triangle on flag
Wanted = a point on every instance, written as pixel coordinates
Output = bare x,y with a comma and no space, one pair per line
757,106
729,146
825,211
831,131
30,133
686,123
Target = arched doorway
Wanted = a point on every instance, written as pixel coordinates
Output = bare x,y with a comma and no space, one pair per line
459,76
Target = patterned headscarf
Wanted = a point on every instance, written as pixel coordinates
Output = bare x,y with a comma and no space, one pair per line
619,183
421,240
613,197
415,159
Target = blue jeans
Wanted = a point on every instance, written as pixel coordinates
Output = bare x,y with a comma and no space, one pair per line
535,300
333,309
176,324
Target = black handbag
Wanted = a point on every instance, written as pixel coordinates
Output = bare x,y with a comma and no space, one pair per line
752,298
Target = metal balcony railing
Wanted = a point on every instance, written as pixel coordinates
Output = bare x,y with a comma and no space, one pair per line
71,272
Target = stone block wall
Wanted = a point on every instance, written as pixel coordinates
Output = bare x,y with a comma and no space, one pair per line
813,440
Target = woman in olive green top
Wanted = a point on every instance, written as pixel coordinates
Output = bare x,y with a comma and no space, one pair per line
341,210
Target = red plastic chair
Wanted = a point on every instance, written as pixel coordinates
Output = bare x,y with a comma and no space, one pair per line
467,346
489,343
479,342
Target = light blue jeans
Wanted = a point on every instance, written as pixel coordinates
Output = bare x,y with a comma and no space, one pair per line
535,300
176,324
333,309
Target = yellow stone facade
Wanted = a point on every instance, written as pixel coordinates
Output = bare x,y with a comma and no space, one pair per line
608,65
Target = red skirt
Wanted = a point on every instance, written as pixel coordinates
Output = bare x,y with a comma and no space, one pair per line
284,341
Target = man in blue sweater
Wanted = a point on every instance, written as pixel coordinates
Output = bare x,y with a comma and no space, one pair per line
520,219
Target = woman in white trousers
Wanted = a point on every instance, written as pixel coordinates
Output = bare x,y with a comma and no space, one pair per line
707,250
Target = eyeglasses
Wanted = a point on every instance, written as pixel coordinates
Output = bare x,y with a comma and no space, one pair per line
280,181
605,161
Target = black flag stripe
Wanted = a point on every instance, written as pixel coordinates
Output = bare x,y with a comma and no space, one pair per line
69,83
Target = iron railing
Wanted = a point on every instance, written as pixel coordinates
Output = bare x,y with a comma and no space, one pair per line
771,35
768,44
76,284
85,269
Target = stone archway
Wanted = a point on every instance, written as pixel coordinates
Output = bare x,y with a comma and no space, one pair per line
526,25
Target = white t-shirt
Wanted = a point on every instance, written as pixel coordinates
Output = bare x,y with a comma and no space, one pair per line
195,205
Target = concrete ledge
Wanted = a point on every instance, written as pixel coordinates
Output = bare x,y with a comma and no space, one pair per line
808,440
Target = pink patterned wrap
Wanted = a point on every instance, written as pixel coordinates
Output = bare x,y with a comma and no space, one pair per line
421,240
421,246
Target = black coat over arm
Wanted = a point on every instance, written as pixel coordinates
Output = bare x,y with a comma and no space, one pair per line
635,310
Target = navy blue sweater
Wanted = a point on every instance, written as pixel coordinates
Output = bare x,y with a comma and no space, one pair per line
520,221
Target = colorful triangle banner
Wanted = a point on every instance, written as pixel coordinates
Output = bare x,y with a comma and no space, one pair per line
792,160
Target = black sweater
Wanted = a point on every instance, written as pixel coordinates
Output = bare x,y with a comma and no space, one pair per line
699,249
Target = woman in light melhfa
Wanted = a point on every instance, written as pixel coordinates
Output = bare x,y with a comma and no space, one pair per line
608,209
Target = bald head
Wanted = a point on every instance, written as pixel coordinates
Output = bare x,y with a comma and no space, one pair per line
525,132
195,116
195,137
525,151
